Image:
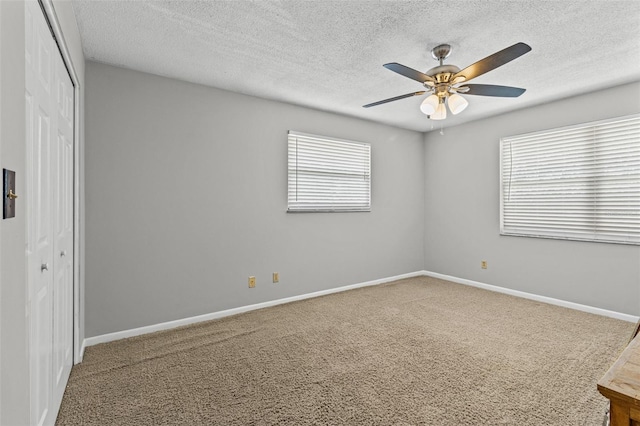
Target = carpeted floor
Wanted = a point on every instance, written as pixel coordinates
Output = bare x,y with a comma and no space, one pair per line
419,351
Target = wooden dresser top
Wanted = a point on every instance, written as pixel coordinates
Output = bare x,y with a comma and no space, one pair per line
622,381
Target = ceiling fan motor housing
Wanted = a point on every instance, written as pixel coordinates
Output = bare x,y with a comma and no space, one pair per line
443,73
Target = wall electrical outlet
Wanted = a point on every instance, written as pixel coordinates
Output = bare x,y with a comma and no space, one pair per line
483,264
276,277
252,282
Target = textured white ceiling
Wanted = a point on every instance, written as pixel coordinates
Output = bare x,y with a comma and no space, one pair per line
329,54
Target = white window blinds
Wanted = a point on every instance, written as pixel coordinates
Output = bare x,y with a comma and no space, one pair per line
580,182
327,174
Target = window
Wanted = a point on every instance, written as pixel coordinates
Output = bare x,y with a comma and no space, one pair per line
328,175
580,182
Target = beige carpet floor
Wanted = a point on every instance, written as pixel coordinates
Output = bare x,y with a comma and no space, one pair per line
419,351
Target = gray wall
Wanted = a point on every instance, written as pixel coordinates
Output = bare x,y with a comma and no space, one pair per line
187,192
462,212
14,374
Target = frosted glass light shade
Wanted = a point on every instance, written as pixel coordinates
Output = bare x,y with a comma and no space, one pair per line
429,105
457,103
440,114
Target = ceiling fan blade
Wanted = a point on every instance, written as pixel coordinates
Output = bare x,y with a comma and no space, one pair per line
494,61
408,72
491,90
408,95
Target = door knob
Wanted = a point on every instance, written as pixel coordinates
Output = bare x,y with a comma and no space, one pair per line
44,267
63,253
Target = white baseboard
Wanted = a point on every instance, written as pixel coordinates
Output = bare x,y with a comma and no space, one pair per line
545,299
82,348
90,341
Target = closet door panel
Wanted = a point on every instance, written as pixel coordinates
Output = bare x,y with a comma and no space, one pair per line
62,215
49,205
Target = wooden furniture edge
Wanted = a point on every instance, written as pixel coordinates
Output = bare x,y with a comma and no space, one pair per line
612,391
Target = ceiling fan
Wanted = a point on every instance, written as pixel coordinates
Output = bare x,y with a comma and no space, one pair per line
445,82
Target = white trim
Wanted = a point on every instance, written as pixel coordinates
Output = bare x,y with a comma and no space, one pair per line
90,341
501,188
52,19
82,348
580,125
0,226
538,298
110,337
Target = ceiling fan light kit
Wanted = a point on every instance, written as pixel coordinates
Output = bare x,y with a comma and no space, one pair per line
430,104
445,82
441,112
457,103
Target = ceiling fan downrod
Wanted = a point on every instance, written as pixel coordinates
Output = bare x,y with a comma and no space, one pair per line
441,52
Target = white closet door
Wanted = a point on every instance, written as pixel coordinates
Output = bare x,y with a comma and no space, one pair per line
49,140
62,156
38,87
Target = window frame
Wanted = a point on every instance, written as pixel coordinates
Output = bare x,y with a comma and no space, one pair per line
332,209
598,237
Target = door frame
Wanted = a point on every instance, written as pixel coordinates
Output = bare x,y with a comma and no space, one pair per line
0,238
51,18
